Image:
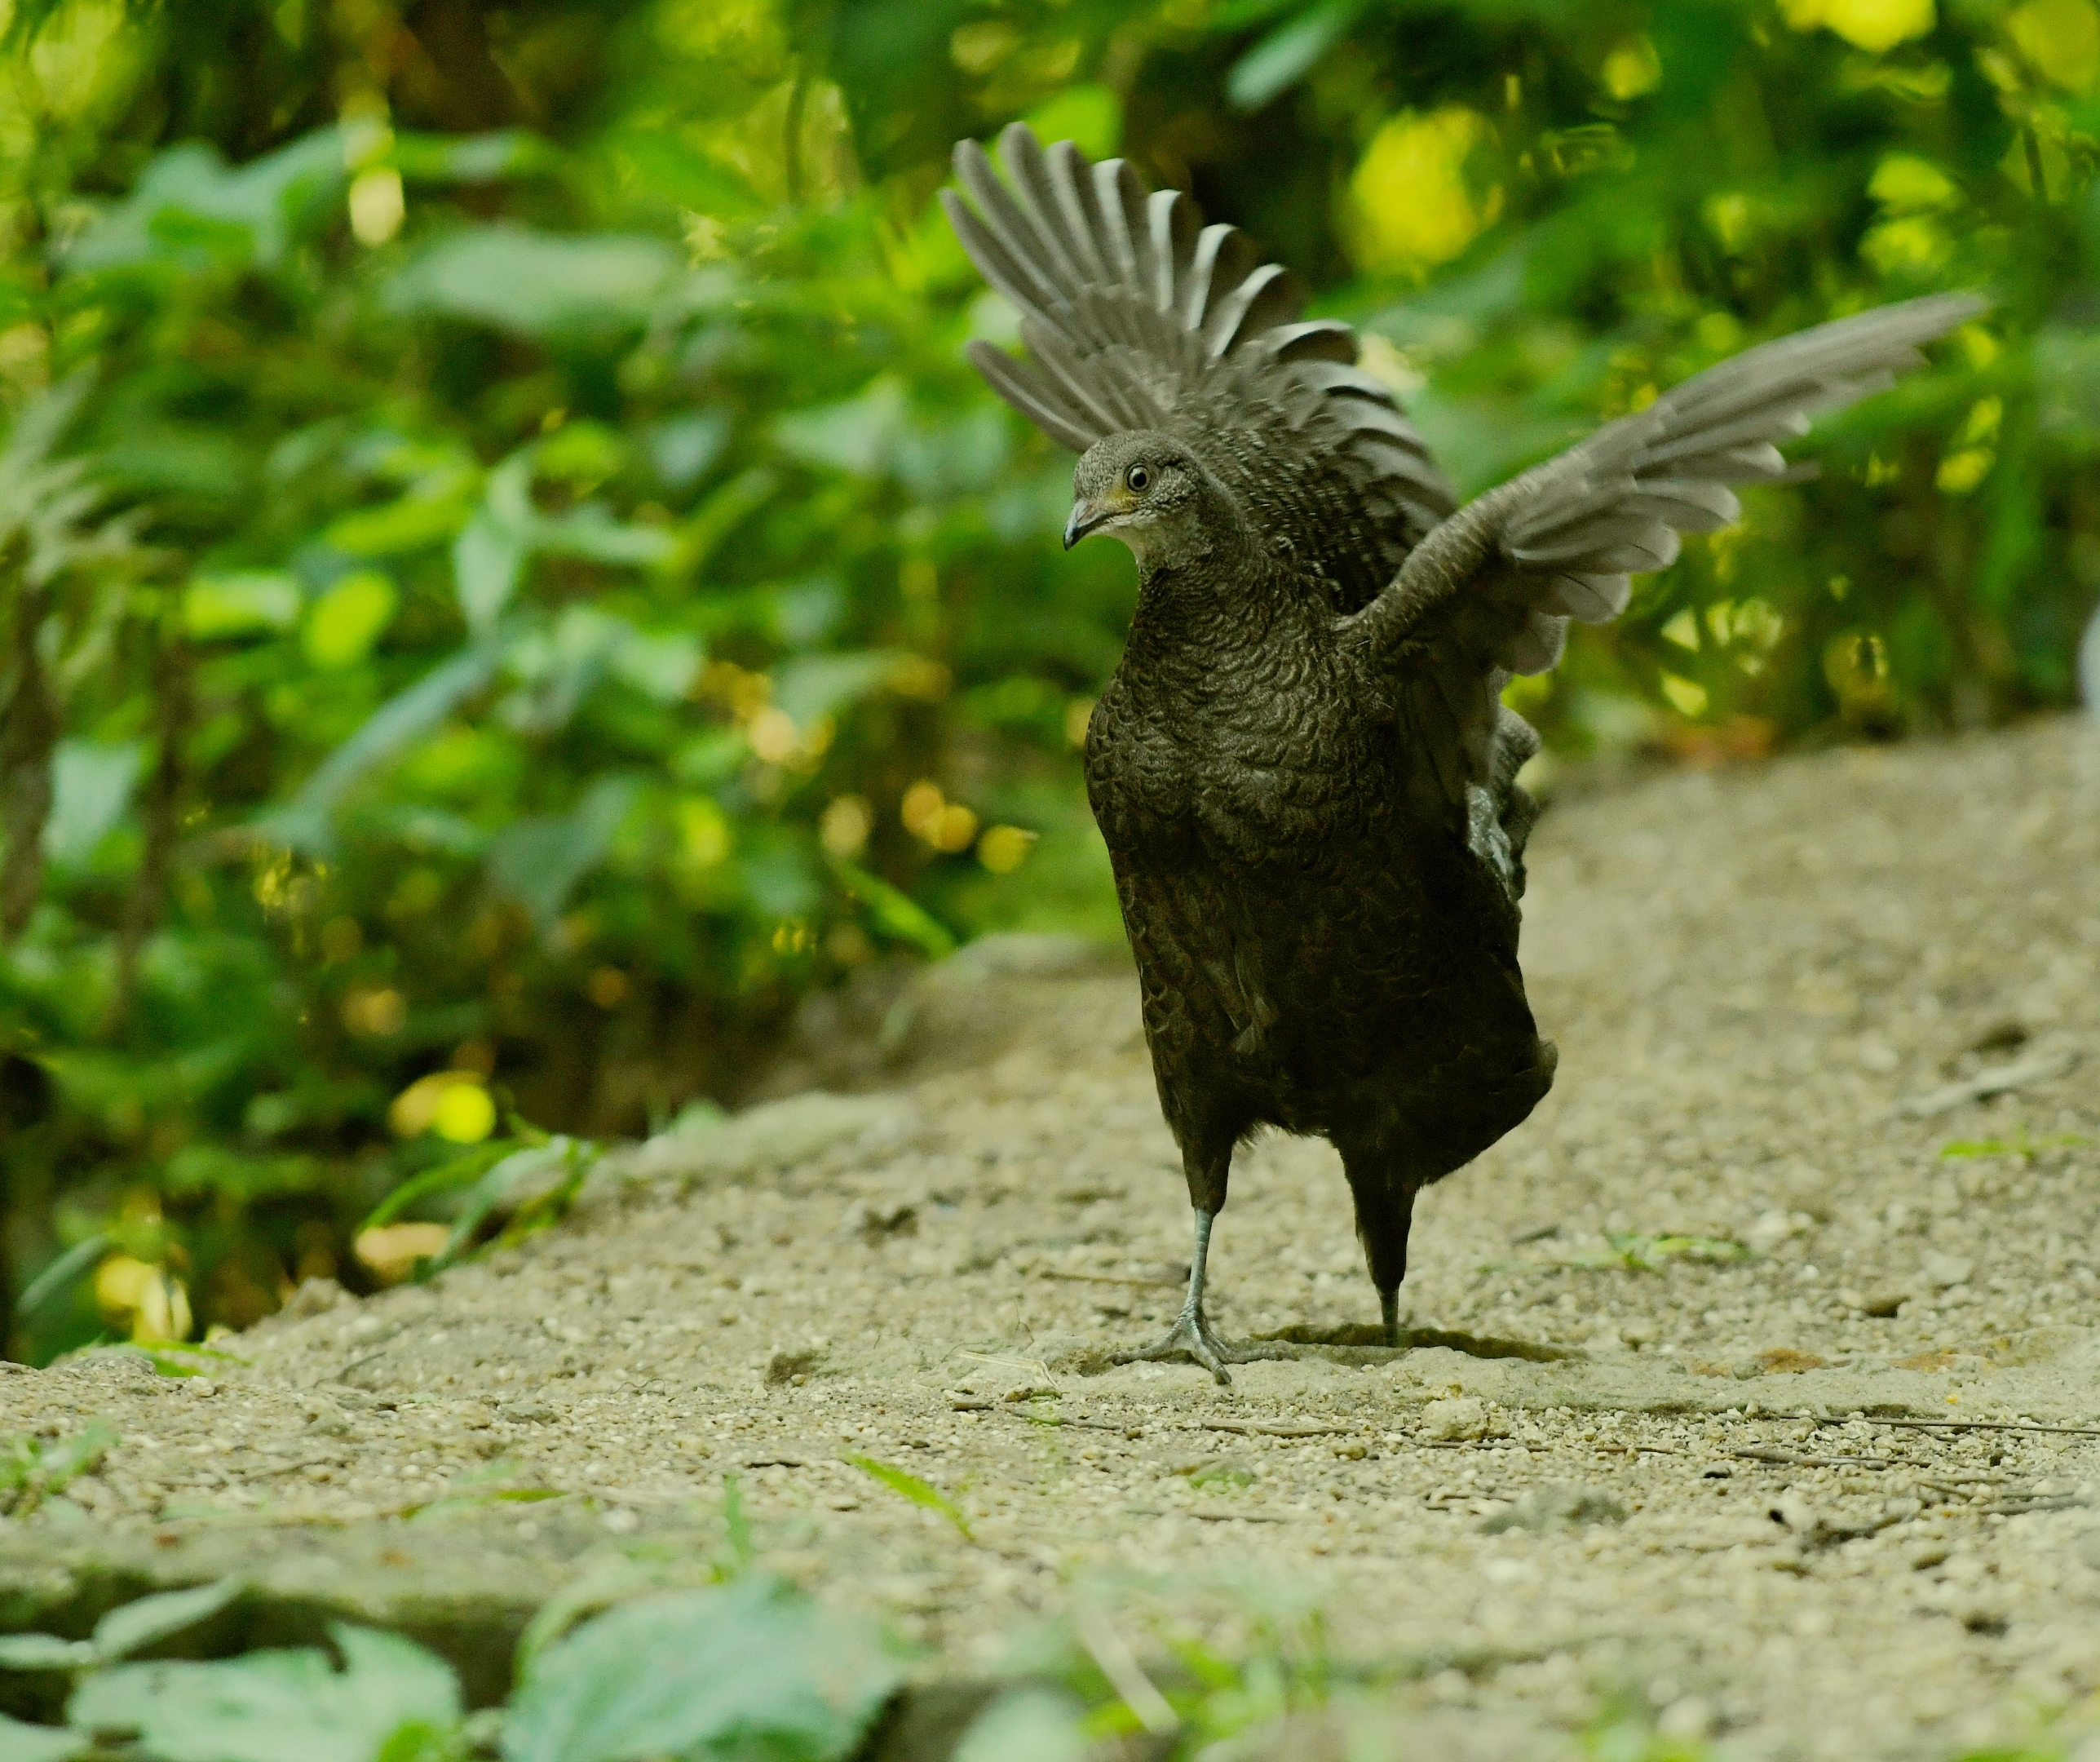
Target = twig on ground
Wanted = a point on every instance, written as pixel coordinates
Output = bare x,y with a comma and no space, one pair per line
1105,1279
1989,1425
1284,1428
1788,1458
2001,1079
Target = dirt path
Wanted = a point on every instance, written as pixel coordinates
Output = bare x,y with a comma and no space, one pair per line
1742,1487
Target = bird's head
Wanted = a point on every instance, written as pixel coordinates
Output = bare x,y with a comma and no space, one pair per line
1148,490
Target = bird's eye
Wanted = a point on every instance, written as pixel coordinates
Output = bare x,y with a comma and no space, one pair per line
1138,477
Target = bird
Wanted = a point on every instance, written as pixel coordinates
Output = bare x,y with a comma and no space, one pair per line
1302,768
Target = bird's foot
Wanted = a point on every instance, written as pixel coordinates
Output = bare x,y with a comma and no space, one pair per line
1191,1337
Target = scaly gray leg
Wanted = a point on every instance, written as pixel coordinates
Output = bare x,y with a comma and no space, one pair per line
1191,1337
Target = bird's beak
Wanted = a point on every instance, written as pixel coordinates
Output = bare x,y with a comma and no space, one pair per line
1086,516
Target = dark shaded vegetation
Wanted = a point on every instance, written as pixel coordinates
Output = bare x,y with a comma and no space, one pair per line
508,583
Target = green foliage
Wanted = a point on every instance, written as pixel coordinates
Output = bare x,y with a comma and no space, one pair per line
748,1668
33,1469
751,1667
504,571
128,1628
387,1699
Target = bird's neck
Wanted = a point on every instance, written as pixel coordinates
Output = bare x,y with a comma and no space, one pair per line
1194,619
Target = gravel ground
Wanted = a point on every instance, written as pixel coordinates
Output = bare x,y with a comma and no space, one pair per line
1730,1393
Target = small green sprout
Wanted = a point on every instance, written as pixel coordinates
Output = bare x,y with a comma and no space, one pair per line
2019,1145
1636,1253
911,1487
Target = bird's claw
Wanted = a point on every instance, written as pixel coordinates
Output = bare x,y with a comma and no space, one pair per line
1191,1337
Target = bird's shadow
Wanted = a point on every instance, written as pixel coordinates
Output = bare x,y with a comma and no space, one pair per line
1361,1343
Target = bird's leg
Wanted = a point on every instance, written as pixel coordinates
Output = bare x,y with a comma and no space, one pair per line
1389,1310
1385,1198
1191,1335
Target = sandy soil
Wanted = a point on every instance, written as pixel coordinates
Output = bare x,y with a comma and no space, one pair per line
1826,1492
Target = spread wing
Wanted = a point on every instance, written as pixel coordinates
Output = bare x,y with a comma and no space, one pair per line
1138,316
1490,592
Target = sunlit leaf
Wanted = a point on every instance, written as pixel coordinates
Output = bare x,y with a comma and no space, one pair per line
256,601
896,913
346,620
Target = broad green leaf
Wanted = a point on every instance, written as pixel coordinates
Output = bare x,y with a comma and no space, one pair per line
590,532
41,1743
751,1669
274,1706
346,620
45,1652
91,784
586,452
59,1279
539,861
862,435
188,193
241,604
302,822
131,1625
413,522
815,685
660,666
472,158
683,448
1284,57
537,284
1028,1726
488,562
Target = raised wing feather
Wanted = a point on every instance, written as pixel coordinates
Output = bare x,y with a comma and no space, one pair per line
1490,592
1138,316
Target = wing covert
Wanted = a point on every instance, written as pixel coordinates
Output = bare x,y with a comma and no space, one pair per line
1136,315
1491,592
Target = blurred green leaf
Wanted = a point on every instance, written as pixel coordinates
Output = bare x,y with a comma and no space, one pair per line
750,1668
1284,57
537,285
345,621
240,605
92,785
276,1706
41,1743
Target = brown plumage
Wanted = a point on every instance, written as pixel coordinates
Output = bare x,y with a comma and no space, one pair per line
1302,766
